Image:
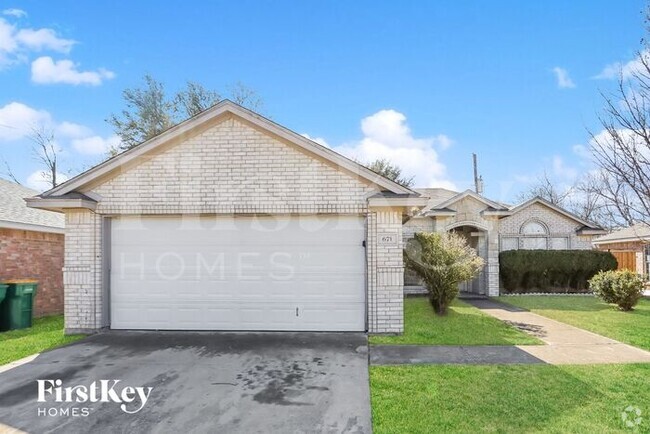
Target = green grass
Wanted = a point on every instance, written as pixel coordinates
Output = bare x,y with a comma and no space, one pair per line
46,333
592,314
463,325
507,399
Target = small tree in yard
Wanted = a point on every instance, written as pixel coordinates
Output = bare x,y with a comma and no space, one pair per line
621,287
442,261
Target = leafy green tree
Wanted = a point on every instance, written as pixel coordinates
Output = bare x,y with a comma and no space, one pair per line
149,110
148,113
442,261
391,171
194,99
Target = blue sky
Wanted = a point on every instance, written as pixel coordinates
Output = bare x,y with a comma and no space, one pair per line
423,83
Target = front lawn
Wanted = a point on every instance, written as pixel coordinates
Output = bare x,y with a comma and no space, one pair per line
592,314
45,334
508,399
463,325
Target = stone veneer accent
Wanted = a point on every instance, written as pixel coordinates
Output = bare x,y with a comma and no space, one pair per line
231,168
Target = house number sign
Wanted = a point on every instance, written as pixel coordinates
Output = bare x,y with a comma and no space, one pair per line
387,239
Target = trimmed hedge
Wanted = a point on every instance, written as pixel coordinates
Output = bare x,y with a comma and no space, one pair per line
524,271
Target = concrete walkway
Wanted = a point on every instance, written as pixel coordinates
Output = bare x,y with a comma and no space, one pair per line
454,355
565,344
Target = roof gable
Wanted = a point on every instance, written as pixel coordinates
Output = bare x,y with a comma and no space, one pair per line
204,120
469,193
544,202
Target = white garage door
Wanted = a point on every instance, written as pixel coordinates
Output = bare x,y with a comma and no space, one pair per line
238,273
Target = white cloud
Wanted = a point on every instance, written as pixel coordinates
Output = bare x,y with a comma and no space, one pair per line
72,130
563,79
562,170
583,153
319,140
95,145
39,180
14,12
43,39
16,43
443,142
624,70
387,135
47,71
17,120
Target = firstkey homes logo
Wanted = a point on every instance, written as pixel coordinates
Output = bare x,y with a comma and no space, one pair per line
76,400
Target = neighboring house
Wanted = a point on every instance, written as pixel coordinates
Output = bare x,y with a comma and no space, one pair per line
491,227
630,245
229,221
31,246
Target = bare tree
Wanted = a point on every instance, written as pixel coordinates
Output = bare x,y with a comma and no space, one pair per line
246,97
583,198
545,188
622,149
9,173
45,152
601,201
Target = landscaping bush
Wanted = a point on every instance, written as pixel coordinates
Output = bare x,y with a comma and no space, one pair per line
621,287
524,271
442,261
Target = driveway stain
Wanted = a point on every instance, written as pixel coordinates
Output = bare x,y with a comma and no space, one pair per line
284,382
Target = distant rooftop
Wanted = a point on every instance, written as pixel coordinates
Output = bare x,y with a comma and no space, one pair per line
14,212
636,232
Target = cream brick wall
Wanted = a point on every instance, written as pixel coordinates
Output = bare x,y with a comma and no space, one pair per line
82,271
231,168
385,272
558,224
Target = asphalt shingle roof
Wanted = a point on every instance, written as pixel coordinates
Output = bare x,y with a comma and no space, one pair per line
14,209
639,231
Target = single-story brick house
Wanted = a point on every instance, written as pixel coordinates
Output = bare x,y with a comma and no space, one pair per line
229,221
492,227
630,246
31,246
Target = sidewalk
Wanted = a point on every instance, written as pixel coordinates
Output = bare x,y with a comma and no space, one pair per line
565,344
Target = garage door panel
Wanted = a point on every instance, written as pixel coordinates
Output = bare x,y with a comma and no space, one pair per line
238,273
310,290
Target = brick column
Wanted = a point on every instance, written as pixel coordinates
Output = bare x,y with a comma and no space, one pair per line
82,271
385,271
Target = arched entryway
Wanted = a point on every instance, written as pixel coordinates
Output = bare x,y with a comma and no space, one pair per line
476,237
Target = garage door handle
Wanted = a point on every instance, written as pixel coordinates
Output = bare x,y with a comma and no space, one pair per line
296,311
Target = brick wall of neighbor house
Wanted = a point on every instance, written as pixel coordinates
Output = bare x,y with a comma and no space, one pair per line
559,225
230,168
35,255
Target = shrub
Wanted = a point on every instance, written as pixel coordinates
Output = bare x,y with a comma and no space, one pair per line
442,261
621,287
570,270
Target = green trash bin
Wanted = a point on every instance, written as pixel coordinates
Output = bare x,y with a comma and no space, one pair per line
17,309
3,292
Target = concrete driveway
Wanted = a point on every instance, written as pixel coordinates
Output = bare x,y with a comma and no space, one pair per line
202,382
